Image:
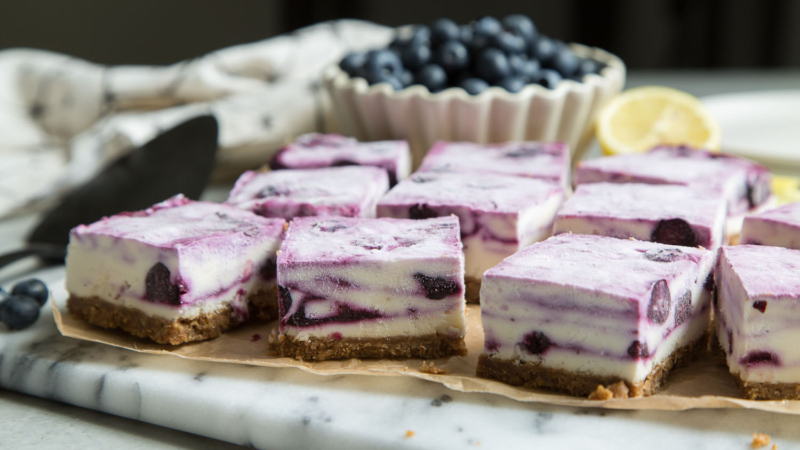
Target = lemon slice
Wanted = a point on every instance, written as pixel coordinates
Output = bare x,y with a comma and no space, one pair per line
642,118
787,189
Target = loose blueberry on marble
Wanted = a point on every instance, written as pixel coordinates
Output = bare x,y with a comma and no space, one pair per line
19,312
33,288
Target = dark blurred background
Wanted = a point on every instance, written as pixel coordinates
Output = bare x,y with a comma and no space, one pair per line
647,34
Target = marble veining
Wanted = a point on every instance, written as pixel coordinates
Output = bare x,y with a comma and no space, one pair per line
285,408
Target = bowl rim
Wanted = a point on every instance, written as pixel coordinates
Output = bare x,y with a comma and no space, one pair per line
334,76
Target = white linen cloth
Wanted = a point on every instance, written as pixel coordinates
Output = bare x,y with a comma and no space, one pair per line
63,119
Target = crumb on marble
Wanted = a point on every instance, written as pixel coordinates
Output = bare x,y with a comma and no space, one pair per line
410,434
430,367
601,393
760,440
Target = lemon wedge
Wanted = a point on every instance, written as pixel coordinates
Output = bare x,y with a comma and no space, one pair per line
644,117
787,189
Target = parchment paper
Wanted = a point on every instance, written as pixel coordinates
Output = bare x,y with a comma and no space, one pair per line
705,383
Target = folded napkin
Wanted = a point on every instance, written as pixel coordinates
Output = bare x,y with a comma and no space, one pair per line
63,119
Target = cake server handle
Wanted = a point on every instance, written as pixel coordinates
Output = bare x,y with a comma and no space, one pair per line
53,254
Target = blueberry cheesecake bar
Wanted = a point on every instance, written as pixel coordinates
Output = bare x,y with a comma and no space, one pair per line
756,315
336,191
371,288
544,160
176,272
499,214
576,312
672,215
744,184
779,227
317,150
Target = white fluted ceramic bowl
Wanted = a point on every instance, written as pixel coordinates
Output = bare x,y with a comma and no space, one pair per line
535,113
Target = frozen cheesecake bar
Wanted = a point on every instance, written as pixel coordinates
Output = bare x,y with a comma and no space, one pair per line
316,150
544,160
744,184
576,311
672,215
499,214
756,315
779,227
336,191
371,288
179,271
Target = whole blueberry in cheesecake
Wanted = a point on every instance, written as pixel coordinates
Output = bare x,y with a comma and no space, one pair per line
499,214
756,315
544,160
577,311
371,288
673,215
335,191
744,184
176,272
316,150
779,227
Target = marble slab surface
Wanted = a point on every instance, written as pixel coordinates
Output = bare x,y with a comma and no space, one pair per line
286,408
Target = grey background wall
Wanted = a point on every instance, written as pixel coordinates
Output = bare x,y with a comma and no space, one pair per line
645,33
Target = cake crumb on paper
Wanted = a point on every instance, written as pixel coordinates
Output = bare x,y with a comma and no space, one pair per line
760,440
619,389
410,434
601,393
272,343
430,367
774,446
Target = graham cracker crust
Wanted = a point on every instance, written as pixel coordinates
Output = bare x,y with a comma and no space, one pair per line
532,375
262,305
754,390
431,346
472,289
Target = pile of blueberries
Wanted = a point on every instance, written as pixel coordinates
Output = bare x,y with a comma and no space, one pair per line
487,52
20,309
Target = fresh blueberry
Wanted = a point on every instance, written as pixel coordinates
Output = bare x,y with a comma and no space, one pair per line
416,56
488,26
353,63
422,211
452,56
414,35
269,271
382,64
709,284
660,303
437,288
521,25
443,30
407,78
638,350
674,232
432,77
465,34
512,84
33,288
548,78
760,357
3,294
587,66
565,62
524,67
684,308
535,343
159,288
394,82
758,190
760,305
19,312
474,86
492,65
545,50
509,42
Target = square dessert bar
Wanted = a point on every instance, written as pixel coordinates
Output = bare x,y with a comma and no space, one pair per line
544,160
672,215
576,311
757,312
316,150
745,184
371,288
499,214
779,227
176,272
336,191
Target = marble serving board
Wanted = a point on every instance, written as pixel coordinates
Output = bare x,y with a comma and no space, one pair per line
704,383
267,407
